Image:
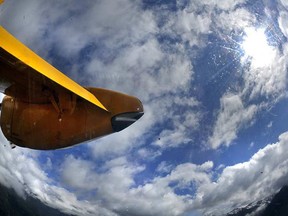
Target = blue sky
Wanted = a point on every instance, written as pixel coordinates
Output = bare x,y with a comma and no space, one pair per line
213,80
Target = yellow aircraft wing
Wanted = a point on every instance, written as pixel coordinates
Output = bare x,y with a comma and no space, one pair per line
25,68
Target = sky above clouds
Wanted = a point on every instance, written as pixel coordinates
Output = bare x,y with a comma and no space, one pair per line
212,76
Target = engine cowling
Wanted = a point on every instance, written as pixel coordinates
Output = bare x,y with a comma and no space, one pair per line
41,126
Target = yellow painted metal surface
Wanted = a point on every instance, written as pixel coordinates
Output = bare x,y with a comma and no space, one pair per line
1,1
27,56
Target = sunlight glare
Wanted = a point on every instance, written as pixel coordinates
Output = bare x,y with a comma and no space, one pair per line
255,46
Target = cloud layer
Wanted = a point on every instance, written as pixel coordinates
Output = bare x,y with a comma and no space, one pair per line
154,52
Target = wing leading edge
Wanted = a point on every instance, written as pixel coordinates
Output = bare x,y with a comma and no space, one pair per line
19,51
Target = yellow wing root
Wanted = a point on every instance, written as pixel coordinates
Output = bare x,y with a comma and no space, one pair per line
27,56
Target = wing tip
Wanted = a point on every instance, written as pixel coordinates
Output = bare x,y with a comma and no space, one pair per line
102,107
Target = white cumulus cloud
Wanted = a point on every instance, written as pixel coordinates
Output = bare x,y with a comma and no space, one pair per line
232,117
